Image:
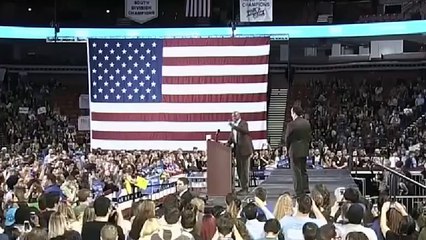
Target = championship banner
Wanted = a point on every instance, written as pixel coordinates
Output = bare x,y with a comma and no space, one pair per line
141,11
256,10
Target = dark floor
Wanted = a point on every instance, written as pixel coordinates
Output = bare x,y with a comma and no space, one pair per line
281,180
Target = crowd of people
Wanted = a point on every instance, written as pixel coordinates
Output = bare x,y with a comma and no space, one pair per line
366,118
55,188
47,211
358,159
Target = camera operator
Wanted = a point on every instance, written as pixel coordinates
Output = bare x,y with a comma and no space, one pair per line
343,195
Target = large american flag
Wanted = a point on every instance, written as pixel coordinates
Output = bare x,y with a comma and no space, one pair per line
171,93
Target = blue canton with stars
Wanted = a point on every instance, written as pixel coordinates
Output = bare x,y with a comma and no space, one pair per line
125,70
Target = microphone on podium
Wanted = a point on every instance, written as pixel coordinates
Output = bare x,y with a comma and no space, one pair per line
216,136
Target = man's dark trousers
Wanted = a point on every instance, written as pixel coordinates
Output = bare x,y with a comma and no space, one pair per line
300,176
243,167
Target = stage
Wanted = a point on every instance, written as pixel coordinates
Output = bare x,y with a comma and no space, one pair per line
281,180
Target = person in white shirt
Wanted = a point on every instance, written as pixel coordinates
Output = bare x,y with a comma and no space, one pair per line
394,159
317,159
354,215
292,225
11,181
49,158
254,226
420,100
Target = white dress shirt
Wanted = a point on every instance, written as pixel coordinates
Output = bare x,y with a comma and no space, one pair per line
234,131
393,160
255,229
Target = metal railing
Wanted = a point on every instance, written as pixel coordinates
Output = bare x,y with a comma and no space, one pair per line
410,202
415,184
392,171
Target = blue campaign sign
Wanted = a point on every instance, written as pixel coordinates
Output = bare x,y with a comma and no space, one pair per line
153,184
98,187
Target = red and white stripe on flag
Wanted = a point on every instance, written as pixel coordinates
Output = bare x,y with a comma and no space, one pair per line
198,8
204,81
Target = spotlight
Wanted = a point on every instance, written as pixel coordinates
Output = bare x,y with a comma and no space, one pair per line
30,9
107,11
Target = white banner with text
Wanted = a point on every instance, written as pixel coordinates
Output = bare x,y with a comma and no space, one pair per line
41,110
256,11
141,11
24,110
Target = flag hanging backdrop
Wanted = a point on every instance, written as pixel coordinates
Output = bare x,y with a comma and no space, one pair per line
170,93
198,8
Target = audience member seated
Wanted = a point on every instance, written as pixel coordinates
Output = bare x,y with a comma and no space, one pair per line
359,126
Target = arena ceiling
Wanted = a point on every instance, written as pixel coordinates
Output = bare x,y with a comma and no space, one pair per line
171,12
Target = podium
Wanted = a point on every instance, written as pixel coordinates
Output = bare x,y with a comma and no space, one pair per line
219,169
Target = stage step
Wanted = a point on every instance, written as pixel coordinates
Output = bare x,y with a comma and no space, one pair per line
276,115
281,180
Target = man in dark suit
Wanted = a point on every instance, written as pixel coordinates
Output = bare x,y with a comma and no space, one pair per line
297,139
242,149
182,189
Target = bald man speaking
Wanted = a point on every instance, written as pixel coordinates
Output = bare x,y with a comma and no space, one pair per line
242,148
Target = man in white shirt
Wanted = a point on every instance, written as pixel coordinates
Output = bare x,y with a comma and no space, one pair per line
354,215
11,181
394,159
50,157
254,226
